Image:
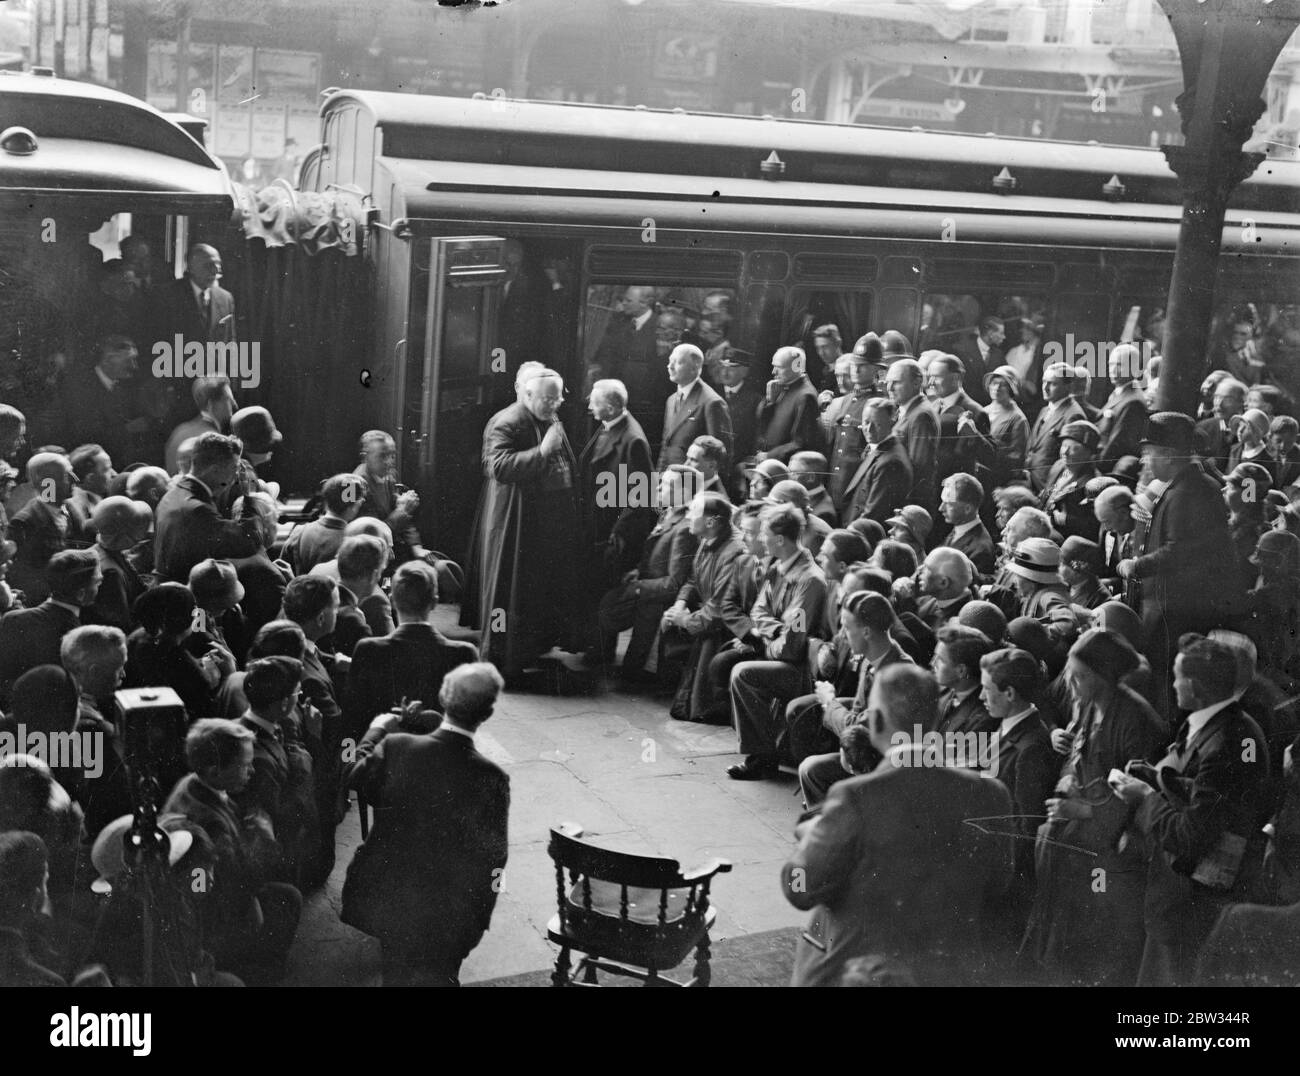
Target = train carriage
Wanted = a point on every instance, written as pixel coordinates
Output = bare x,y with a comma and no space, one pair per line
479,207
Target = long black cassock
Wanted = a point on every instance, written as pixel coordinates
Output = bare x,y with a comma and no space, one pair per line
520,587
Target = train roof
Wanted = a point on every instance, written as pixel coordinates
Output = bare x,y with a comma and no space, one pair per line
428,192
94,144
501,131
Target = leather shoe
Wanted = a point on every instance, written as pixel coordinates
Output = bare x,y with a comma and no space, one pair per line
754,768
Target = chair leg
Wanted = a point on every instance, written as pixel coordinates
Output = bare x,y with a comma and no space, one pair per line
560,976
589,972
702,972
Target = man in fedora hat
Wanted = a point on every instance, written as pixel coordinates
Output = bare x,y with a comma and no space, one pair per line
1186,537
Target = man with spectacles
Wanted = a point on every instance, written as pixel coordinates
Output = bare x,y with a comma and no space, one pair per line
521,585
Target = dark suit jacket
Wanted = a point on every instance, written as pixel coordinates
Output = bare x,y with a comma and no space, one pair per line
918,433
791,424
703,412
978,545
1068,506
38,539
743,409
428,875
264,586
968,715
742,592
245,855
1187,532
1217,441
1222,788
1045,439
94,415
410,663
182,313
630,356
1029,768
118,591
882,483
31,637
666,563
964,451
188,529
976,367
712,574
616,460
892,867
1123,422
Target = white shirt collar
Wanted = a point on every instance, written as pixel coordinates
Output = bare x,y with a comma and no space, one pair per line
785,565
639,321
963,528
984,348
456,729
609,425
1198,719
947,401
198,292
74,609
105,380
1009,723
685,390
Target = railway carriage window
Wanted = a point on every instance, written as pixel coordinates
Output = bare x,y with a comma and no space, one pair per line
630,330
847,309
1010,327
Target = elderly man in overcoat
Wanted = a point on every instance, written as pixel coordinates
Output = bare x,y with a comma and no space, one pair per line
521,587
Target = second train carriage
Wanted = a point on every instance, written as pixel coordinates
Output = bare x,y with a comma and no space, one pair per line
503,231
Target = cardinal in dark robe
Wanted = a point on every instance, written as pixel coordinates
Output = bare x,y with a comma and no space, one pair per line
521,587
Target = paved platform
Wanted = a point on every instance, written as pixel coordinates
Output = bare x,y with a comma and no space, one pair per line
636,780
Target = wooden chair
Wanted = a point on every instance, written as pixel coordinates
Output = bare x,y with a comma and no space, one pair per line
627,912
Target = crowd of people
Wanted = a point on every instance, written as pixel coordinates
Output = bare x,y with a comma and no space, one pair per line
1093,611
972,629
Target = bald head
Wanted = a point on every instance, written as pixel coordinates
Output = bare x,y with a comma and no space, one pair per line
50,474
903,380
789,364
946,573
685,363
203,264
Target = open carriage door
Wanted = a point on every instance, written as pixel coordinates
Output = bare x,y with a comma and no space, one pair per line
465,278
